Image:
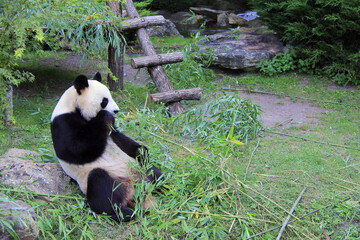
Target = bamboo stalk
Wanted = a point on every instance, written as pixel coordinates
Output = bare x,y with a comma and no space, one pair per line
39,194
247,168
289,216
310,140
228,215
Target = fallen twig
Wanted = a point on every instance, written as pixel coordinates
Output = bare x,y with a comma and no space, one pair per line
272,229
289,216
283,122
227,215
53,196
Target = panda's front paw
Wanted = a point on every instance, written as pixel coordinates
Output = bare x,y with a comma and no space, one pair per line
106,117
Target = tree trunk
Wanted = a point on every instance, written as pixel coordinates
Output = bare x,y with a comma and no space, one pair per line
8,112
116,66
115,63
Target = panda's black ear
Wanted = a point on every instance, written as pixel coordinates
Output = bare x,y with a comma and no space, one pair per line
97,76
80,83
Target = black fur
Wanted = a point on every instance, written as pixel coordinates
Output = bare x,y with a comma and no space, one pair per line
97,77
105,196
130,147
104,102
79,141
154,174
137,151
80,83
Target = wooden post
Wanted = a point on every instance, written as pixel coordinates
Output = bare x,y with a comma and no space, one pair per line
157,73
115,62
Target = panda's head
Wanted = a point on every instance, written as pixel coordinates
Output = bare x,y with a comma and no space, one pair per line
86,96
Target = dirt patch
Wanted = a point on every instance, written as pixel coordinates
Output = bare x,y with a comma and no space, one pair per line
136,76
283,112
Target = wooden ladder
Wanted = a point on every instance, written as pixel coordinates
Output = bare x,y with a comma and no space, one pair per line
154,62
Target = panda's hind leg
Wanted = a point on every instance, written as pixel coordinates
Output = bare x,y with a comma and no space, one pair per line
105,197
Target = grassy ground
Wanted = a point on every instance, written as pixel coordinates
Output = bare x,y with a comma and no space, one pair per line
218,188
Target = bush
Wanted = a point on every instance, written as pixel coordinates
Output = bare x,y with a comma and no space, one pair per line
281,62
226,117
325,33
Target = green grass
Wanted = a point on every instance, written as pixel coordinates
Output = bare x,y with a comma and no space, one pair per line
217,188
173,41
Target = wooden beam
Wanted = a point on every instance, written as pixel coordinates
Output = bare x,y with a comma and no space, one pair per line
155,60
157,73
177,95
143,22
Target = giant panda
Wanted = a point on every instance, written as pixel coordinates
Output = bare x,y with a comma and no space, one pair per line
93,153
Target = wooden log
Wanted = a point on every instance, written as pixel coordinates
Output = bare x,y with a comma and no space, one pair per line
155,60
143,22
157,73
177,95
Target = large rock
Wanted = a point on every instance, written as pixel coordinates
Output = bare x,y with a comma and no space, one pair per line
235,50
223,19
18,170
237,20
167,29
20,216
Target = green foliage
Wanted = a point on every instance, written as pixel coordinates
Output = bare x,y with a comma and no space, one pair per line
325,34
281,62
88,27
193,71
193,205
221,118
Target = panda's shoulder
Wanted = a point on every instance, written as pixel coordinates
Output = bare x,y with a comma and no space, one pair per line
71,118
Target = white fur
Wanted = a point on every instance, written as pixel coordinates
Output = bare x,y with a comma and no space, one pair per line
88,101
66,104
113,160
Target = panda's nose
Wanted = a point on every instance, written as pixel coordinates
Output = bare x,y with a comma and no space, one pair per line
116,111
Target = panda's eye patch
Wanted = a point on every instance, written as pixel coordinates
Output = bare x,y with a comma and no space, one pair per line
104,102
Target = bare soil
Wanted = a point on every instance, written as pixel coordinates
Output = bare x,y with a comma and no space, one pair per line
283,112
